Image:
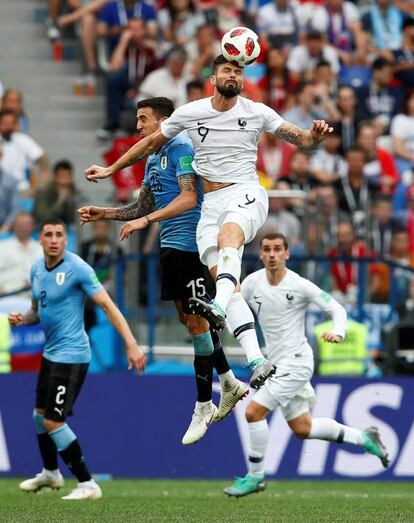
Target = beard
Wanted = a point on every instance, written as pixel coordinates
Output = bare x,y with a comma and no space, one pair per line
229,91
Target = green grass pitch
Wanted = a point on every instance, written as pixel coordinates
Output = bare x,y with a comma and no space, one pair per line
203,501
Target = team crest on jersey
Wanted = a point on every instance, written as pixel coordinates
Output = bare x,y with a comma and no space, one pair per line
60,278
290,298
242,123
163,162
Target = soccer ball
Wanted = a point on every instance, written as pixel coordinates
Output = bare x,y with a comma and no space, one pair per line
240,45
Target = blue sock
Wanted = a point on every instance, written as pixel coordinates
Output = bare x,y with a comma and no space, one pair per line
203,344
63,437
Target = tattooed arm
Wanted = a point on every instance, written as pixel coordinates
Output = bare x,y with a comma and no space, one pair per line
301,137
17,319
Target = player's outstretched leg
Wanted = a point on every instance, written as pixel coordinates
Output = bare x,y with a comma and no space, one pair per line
70,451
50,475
232,389
241,322
374,445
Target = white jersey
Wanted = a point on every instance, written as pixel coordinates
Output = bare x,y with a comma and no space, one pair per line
225,143
281,312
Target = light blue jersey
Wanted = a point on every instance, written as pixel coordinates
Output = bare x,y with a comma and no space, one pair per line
161,172
60,294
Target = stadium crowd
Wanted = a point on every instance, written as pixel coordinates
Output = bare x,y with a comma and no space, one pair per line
351,63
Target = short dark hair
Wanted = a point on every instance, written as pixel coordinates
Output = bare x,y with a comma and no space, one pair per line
160,105
355,149
197,83
7,112
62,164
313,34
380,63
220,60
53,221
274,236
408,22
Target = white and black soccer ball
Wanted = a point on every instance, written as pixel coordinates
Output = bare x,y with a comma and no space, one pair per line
240,45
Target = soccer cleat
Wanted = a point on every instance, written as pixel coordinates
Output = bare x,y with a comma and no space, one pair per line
85,490
374,445
200,422
46,478
235,391
262,370
210,310
245,486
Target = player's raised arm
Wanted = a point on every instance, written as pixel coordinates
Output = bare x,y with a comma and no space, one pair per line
17,319
136,153
301,137
135,355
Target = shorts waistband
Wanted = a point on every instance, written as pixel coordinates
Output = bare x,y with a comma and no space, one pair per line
231,188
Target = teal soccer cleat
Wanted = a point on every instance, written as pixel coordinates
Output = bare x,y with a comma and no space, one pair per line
374,445
245,486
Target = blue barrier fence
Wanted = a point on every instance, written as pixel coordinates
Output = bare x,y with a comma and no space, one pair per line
132,427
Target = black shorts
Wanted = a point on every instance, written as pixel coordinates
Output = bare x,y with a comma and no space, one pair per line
183,276
58,386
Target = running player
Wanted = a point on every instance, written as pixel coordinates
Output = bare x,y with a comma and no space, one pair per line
280,298
60,283
171,195
225,130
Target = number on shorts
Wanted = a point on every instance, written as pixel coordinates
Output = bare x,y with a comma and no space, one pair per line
203,132
197,287
61,391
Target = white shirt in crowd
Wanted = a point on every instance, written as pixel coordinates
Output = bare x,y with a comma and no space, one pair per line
329,163
300,61
281,311
320,18
19,154
15,263
161,83
402,126
225,143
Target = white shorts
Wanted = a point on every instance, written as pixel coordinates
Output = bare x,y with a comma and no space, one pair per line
293,393
244,204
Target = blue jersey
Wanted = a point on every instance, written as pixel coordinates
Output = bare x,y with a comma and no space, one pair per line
161,172
60,294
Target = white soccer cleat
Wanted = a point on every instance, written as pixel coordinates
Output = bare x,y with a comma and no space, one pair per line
85,490
46,478
200,422
231,393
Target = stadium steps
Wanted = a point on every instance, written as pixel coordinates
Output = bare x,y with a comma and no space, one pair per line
62,123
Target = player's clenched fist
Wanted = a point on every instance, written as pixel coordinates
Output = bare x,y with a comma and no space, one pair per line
96,172
15,319
90,214
319,130
330,337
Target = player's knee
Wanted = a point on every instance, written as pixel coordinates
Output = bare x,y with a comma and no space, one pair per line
252,414
51,425
196,325
302,431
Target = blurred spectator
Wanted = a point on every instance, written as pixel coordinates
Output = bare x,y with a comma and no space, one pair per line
202,51
383,225
402,132
20,152
195,90
325,80
131,61
344,272
349,116
381,100
403,57
275,84
278,23
300,179
273,159
179,21
59,197
114,17
225,15
13,99
327,165
17,255
168,81
383,23
340,21
9,199
305,57
380,169
409,219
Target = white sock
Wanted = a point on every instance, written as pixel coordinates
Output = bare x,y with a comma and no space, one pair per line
227,378
228,275
259,436
330,430
202,405
241,322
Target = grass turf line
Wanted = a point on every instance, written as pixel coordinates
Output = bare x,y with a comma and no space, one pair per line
198,501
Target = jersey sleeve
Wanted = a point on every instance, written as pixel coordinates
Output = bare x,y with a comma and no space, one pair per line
88,280
271,119
182,156
328,304
175,124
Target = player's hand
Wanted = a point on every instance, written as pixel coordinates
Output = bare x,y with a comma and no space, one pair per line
15,319
90,214
136,357
330,337
320,130
133,225
95,173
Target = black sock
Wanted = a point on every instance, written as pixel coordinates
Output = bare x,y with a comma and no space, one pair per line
73,458
48,451
204,377
218,358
